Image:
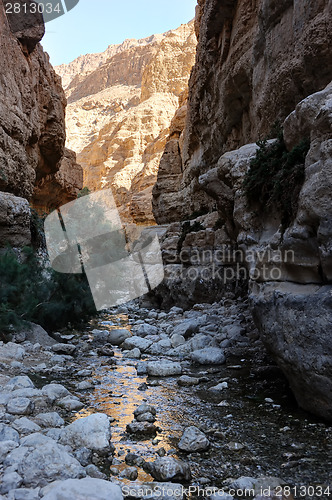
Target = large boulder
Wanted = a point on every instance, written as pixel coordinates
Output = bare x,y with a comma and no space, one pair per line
92,432
79,489
40,460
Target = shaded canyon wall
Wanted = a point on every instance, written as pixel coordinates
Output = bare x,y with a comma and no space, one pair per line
257,63
34,166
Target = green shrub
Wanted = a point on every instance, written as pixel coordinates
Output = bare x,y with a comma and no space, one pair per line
29,292
276,176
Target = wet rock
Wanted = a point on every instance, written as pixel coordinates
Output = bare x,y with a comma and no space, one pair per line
83,455
40,460
20,382
84,373
73,489
193,440
85,385
93,471
67,349
145,408
129,473
25,426
105,351
141,428
70,403
8,434
51,419
141,343
160,347
209,356
133,354
146,417
163,368
131,458
101,336
186,328
170,469
234,446
20,406
142,368
186,381
92,432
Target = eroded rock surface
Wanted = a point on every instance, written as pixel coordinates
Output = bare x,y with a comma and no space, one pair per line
32,113
121,104
257,63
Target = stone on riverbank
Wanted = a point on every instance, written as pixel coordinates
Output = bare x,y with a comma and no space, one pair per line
77,489
209,356
40,460
92,432
163,368
193,440
170,469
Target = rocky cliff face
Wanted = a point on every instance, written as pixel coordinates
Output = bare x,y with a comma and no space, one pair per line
121,104
257,62
32,110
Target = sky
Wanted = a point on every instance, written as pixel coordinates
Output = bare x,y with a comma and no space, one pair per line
94,24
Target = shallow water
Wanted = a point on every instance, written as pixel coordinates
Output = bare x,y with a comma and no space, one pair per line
272,438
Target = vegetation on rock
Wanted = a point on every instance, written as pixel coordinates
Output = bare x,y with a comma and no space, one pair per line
276,176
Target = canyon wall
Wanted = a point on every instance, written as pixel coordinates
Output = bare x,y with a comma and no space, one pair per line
32,124
257,63
121,104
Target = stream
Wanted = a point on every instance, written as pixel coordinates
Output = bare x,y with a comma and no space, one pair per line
254,426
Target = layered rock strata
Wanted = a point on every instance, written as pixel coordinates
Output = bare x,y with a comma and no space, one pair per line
256,64
32,112
119,113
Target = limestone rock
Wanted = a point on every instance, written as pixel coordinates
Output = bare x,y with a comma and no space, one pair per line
121,104
92,432
163,368
170,469
209,356
193,440
76,489
14,221
32,128
40,460
250,58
